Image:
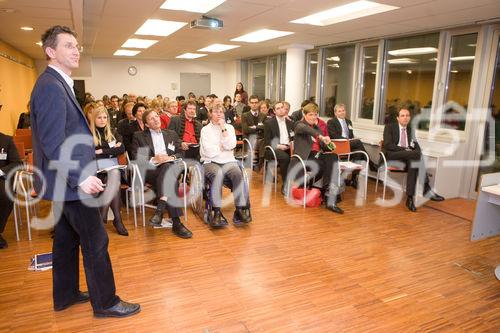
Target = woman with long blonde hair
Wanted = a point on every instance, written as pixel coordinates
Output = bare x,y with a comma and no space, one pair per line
107,146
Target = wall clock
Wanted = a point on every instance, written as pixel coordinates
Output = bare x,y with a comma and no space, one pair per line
132,70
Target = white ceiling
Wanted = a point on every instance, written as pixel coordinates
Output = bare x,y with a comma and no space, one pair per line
106,24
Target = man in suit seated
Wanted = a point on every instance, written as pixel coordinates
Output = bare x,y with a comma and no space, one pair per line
133,123
218,141
278,133
401,145
188,129
9,160
155,151
311,145
252,126
339,127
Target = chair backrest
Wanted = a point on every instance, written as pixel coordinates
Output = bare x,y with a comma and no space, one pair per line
20,148
342,147
26,139
23,131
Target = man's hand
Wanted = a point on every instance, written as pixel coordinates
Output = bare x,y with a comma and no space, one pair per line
162,158
222,123
185,146
98,151
119,144
92,185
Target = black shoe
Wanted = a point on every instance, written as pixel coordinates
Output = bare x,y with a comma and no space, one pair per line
120,228
156,219
180,229
82,297
410,204
121,309
216,220
433,196
246,216
3,243
241,215
354,182
334,208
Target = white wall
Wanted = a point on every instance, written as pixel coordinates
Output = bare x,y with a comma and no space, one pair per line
110,76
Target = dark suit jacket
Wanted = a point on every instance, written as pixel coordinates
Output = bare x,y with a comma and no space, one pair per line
391,138
144,139
8,147
247,120
302,142
272,132
126,129
335,129
176,124
62,136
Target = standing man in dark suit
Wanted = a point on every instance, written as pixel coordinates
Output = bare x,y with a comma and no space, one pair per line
155,150
278,133
252,127
65,154
9,160
401,145
339,127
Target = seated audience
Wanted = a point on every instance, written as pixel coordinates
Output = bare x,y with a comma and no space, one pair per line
133,123
156,151
87,111
310,144
188,129
24,119
114,112
202,111
239,106
401,145
278,133
218,141
339,127
9,160
107,146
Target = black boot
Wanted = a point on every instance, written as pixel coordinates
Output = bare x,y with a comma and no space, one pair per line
180,229
332,206
3,243
156,219
241,215
218,220
410,204
120,228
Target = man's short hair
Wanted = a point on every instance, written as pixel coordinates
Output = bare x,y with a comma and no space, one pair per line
49,38
309,108
285,103
146,113
253,97
338,106
114,96
137,106
193,103
404,108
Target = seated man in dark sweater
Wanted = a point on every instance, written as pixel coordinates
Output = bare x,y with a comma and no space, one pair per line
188,129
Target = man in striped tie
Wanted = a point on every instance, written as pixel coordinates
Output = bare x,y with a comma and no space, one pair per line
401,145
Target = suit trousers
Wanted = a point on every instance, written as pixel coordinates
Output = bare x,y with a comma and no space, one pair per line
156,179
81,226
283,158
5,204
413,163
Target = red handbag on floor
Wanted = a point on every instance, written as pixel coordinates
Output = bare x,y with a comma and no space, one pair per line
313,196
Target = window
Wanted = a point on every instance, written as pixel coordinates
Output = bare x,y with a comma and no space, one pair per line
369,71
338,66
460,64
259,79
273,78
410,69
311,75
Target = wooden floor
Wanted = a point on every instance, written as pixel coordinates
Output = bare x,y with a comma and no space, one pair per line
372,269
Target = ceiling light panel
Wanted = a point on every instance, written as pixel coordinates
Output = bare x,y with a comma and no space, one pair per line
399,61
139,43
194,6
126,53
261,35
344,13
218,48
413,51
190,55
159,27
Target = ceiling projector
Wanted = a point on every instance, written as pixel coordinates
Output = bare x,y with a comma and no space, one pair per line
206,23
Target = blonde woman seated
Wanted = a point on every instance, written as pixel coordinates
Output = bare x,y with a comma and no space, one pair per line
107,146
217,142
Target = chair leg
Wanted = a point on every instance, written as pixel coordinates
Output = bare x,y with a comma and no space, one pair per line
15,219
264,172
385,184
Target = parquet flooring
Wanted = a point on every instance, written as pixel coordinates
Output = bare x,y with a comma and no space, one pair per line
372,269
